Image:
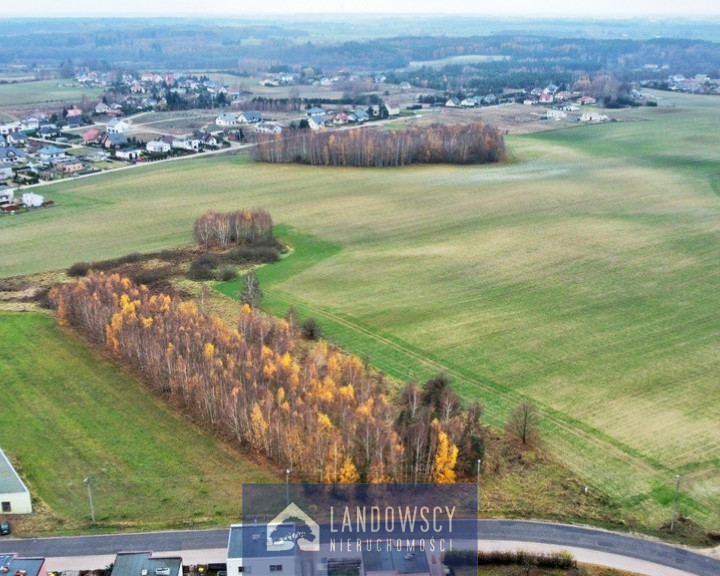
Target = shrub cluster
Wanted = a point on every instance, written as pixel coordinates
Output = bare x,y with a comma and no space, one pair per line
475,143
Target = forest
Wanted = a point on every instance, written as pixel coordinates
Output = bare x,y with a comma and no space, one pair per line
473,143
323,413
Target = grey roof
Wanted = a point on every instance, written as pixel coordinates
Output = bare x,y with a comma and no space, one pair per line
250,541
31,566
10,482
400,561
133,564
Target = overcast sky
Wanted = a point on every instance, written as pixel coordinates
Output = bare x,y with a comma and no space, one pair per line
239,8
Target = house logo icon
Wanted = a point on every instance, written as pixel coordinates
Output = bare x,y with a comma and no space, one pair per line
291,528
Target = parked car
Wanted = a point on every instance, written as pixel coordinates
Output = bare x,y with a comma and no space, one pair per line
4,528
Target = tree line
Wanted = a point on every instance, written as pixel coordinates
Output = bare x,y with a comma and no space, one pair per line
308,407
474,143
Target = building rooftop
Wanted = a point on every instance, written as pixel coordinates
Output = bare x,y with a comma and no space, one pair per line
398,561
26,566
10,482
144,564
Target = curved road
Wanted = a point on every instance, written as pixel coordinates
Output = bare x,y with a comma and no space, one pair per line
506,533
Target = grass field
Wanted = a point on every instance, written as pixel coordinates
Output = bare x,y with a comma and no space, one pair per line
24,94
583,276
73,416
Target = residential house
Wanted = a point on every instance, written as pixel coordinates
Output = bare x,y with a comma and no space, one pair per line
92,135
267,128
250,117
587,101
190,145
392,107
49,153
73,113
316,122
9,128
6,172
593,117
70,166
489,100
12,564
452,103
29,124
118,126
208,140
158,147
546,98
48,131
145,564
7,196
17,139
251,551
11,155
33,200
14,495
128,154
555,115
114,140
74,121
315,111
226,119
340,118
358,116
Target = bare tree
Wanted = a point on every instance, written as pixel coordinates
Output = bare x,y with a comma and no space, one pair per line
523,422
251,293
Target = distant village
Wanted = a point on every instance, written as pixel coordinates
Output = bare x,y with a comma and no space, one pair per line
90,137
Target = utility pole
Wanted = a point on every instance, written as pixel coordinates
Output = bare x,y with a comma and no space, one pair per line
92,509
674,512
478,482
287,487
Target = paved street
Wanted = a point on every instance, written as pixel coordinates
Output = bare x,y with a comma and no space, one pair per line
201,546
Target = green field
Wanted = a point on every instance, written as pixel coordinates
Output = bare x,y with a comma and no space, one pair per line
24,94
73,416
584,275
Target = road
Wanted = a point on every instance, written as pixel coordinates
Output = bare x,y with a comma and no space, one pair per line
200,546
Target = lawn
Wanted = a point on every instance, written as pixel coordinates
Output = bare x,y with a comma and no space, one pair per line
584,276
73,416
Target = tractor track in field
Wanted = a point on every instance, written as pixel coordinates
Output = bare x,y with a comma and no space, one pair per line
595,438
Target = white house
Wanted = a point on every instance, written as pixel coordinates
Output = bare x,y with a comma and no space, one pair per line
265,128
250,551
7,195
226,119
158,147
555,115
186,144
118,126
14,495
316,122
33,200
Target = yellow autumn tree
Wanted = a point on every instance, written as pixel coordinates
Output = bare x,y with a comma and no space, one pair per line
348,473
259,427
445,457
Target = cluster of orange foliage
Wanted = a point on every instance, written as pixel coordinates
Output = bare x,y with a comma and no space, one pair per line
322,413
474,143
